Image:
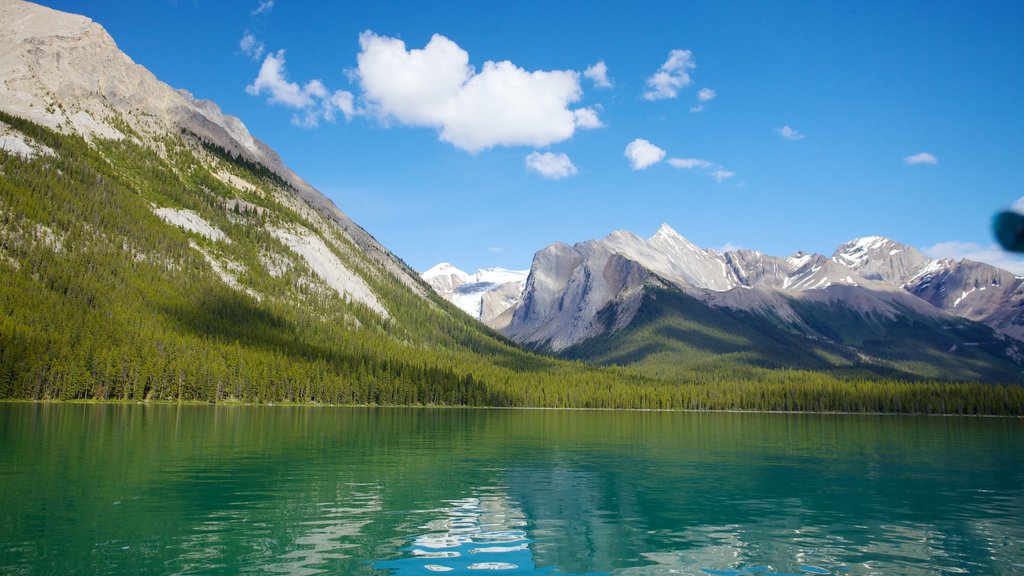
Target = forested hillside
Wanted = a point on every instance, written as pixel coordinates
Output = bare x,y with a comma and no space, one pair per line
103,298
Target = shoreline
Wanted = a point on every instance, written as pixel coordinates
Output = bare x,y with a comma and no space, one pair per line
234,403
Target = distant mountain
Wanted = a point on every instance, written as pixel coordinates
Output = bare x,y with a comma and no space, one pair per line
486,295
875,305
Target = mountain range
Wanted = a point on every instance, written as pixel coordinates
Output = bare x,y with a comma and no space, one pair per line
153,249
874,303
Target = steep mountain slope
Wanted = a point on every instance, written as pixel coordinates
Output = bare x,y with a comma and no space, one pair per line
153,249
65,72
624,299
485,295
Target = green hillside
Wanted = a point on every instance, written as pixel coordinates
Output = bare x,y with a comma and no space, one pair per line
102,299
675,336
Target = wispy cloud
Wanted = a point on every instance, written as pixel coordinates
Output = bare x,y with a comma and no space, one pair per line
264,7
435,87
690,163
788,133
642,154
550,165
722,174
920,158
713,169
251,47
729,247
705,95
598,74
988,253
313,100
673,75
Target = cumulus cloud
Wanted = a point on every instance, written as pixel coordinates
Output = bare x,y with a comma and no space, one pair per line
921,158
264,6
598,74
789,133
550,165
642,154
587,118
988,253
435,87
313,101
690,163
251,47
673,75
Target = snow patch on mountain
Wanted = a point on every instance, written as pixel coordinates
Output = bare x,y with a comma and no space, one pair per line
484,295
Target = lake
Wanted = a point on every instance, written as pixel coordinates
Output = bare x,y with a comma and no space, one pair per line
165,489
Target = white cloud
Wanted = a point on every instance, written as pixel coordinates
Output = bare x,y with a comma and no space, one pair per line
550,165
587,119
690,163
989,254
643,154
921,158
265,6
314,101
722,174
1018,206
496,249
729,247
344,101
251,47
713,169
435,87
789,133
705,95
598,74
673,75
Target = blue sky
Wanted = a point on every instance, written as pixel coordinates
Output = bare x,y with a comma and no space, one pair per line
816,108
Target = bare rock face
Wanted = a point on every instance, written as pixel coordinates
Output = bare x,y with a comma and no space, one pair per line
66,72
878,258
975,291
570,286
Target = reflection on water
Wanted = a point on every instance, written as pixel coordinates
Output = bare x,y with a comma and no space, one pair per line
225,490
471,535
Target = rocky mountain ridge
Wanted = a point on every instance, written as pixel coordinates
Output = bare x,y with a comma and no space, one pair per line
65,72
596,288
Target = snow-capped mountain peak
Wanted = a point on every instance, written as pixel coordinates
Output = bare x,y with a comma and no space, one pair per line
444,269
484,295
879,258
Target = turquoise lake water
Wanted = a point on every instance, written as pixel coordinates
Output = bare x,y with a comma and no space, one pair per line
133,489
